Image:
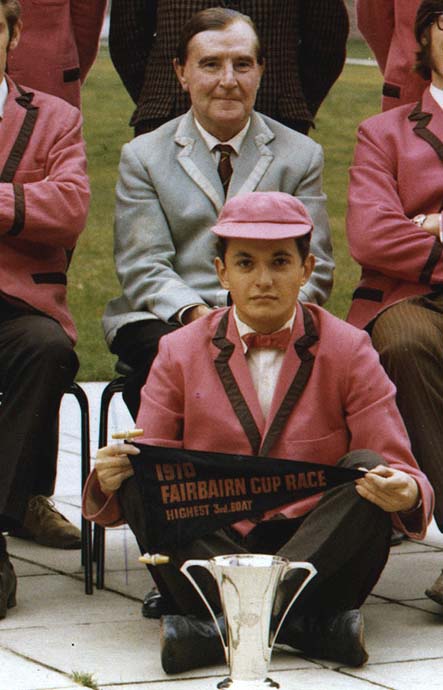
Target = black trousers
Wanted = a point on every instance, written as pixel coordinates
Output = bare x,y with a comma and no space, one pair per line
345,537
409,339
137,345
37,364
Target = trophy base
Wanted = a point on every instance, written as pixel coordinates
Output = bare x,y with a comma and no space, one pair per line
229,684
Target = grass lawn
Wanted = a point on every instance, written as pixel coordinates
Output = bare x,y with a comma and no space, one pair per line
107,110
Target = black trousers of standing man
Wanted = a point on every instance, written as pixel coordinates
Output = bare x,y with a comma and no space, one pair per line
37,365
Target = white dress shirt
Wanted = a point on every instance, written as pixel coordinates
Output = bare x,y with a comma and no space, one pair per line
3,96
437,94
264,364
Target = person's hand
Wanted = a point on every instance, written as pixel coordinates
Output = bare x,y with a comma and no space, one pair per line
195,313
392,490
113,466
431,224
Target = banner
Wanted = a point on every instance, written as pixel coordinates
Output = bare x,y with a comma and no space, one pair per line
188,494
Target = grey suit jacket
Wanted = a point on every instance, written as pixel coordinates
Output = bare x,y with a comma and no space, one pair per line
168,196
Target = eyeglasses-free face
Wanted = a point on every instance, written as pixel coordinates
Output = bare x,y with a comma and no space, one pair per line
438,20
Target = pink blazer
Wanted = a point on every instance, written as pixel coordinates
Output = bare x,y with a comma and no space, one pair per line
58,45
396,174
43,202
199,395
388,27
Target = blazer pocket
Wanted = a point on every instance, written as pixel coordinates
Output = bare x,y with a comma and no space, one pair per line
324,449
50,278
391,90
24,176
370,294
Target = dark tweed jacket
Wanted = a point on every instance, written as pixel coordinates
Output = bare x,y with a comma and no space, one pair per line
304,43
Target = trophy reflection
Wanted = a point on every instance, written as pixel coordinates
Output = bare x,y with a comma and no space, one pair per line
248,585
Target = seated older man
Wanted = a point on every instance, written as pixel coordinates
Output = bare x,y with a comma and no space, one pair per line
300,393
174,181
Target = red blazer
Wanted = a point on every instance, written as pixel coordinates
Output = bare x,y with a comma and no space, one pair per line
388,27
43,201
199,395
397,173
58,45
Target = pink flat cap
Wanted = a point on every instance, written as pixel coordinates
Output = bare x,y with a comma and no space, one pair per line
263,216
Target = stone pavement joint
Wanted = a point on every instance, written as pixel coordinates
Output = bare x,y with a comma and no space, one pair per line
56,629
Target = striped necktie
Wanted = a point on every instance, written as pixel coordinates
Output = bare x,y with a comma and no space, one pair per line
224,166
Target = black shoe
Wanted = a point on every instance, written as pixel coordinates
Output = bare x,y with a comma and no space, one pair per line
188,642
337,638
8,585
155,605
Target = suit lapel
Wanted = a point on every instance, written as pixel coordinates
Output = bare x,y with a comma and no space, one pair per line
294,375
232,368
196,160
254,160
428,118
18,121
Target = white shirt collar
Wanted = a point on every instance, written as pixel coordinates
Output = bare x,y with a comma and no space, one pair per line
437,94
243,328
211,141
3,96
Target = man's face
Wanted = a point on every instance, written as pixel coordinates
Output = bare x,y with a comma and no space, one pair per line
436,55
222,75
7,42
264,278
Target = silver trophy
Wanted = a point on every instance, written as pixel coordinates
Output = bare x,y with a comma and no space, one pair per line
248,585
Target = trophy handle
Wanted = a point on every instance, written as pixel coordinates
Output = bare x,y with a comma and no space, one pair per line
295,565
205,564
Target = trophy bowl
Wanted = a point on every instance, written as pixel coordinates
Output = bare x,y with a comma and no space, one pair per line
248,584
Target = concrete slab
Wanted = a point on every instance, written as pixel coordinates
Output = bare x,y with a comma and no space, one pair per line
51,601
406,576
303,679
426,674
400,633
17,673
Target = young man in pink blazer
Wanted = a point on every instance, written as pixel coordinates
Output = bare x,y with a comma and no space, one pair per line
388,27
211,388
44,198
58,46
395,231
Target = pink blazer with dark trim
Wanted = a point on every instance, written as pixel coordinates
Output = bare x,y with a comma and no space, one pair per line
388,27
397,173
58,45
332,397
43,201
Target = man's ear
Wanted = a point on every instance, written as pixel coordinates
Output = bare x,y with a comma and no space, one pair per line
308,267
221,273
179,71
15,38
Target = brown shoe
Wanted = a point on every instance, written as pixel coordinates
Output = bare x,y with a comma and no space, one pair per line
8,585
436,591
46,526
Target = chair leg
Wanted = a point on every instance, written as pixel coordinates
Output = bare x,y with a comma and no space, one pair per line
86,527
115,386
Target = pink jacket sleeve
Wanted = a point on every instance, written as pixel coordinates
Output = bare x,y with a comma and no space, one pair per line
381,236
56,206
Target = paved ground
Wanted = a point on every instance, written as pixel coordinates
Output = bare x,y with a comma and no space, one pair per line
56,629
